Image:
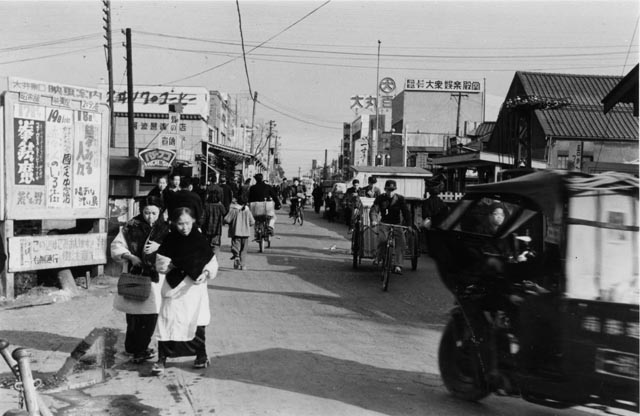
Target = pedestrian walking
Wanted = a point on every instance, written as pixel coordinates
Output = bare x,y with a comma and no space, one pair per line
240,222
186,197
212,219
317,197
188,262
137,244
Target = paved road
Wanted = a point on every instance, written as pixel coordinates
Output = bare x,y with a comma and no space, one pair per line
302,333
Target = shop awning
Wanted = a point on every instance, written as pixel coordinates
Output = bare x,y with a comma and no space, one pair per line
476,159
232,153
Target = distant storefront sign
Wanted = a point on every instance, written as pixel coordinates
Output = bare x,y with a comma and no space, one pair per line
158,99
157,158
387,85
363,101
443,85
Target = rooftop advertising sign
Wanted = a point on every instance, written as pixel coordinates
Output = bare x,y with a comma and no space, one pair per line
443,85
156,99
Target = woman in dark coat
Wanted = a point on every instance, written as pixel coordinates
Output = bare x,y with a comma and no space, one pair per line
188,262
137,244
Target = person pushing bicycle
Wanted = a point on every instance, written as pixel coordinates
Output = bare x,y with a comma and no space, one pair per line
390,208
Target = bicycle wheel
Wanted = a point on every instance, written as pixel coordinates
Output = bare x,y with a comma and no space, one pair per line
268,241
301,216
386,269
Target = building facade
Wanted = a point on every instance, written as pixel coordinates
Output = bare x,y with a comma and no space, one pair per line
428,113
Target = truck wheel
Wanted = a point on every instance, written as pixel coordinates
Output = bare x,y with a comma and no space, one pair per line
459,362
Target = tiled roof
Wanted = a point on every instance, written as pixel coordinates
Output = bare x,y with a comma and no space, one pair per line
582,89
584,117
486,127
581,122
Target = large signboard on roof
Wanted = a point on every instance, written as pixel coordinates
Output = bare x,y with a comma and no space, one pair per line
55,151
443,84
158,99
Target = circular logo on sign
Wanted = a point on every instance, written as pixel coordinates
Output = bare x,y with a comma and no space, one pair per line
387,85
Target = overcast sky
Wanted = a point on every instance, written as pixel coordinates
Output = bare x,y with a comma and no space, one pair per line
306,74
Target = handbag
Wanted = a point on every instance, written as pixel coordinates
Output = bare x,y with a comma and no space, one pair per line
134,286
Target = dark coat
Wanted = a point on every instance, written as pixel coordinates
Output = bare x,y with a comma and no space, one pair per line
263,192
391,210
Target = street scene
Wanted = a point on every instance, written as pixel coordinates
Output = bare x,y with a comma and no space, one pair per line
323,207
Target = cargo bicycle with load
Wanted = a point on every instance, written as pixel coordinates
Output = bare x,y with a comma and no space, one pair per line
365,237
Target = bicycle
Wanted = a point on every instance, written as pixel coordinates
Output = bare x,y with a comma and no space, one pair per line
389,253
262,232
298,213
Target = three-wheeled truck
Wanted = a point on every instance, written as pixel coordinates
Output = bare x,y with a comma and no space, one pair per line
547,302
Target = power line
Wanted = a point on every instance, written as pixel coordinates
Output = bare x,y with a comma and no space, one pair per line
527,47
256,47
48,43
50,56
256,57
244,55
430,56
633,37
296,118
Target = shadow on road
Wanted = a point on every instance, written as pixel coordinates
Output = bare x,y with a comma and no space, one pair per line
322,259
384,390
45,341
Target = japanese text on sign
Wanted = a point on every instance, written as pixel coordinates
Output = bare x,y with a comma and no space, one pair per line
56,251
363,101
45,88
443,85
29,157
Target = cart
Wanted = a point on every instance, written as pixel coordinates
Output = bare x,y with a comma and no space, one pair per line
364,239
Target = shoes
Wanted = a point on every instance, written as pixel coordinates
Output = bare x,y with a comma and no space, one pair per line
201,362
142,357
397,270
158,368
243,268
236,263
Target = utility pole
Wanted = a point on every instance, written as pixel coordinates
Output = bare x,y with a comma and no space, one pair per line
459,95
324,170
272,124
109,50
373,149
132,139
253,119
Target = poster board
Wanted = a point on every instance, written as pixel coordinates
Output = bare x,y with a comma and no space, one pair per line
55,151
56,251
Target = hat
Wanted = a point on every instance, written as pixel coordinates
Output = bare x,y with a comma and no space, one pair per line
391,185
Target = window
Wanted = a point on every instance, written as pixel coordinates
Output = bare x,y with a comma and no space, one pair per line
563,162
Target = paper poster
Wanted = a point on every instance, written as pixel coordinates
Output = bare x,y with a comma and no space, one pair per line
59,153
86,159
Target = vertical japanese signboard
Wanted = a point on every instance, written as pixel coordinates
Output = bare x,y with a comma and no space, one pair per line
55,151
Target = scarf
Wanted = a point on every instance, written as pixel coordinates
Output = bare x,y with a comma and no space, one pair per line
189,254
136,232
